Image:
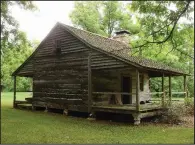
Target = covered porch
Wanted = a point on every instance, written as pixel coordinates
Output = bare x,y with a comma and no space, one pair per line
138,109
20,101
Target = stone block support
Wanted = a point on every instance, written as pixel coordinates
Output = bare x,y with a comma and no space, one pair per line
137,118
65,112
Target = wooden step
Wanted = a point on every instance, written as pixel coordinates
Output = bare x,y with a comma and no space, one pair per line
24,106
21,102
29,99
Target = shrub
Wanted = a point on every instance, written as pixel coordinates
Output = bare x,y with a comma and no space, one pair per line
189,105
174,114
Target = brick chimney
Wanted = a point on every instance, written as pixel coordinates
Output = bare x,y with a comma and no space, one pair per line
122,36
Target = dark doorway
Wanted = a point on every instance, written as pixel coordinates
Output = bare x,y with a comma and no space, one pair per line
127,88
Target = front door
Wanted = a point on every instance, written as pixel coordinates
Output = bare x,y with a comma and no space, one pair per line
126,88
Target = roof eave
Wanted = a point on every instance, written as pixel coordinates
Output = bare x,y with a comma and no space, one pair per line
21,66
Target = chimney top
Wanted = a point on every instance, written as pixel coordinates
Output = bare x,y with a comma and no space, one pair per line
122,32
122,35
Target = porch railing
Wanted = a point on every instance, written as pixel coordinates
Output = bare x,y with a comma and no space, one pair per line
162,100
113,93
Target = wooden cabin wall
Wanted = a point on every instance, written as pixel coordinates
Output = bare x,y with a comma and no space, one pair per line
110,81
104,81
102,61
145,94
58,77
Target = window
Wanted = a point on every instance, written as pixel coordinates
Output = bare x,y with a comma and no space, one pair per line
141,78
58,46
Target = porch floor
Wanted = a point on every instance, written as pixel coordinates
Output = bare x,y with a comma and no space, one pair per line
127,108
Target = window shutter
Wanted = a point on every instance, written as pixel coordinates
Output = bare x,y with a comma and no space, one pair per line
58,46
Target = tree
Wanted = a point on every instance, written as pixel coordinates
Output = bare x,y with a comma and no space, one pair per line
18,52
164,37
15,47
159,22
102,17
9,26
112,16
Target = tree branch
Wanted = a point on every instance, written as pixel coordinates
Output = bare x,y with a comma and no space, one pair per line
170,34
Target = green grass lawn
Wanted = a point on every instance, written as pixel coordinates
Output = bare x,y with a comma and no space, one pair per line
22,126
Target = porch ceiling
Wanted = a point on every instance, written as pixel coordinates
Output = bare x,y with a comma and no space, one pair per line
159,73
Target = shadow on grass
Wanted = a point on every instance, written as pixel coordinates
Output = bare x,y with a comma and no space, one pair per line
101,116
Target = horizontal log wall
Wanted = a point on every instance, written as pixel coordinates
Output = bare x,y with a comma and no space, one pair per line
110,81
69,44
107,80
103,61
61,76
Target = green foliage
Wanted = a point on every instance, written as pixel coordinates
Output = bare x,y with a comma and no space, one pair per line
9,26
175,59
15,48
102,17
159,19
189,104
14,55
86,15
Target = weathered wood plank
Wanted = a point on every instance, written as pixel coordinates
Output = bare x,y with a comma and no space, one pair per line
21,102
185,86
14,99
79,108
137,91
170,91
89,84
163,90
114,93
108,67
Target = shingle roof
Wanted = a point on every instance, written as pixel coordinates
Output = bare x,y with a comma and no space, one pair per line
117,48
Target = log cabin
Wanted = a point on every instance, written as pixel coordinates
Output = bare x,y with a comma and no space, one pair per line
76,70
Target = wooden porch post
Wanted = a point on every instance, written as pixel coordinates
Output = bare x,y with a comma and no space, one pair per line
170,91
184,83
14,105
89,83
137,91
163,90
